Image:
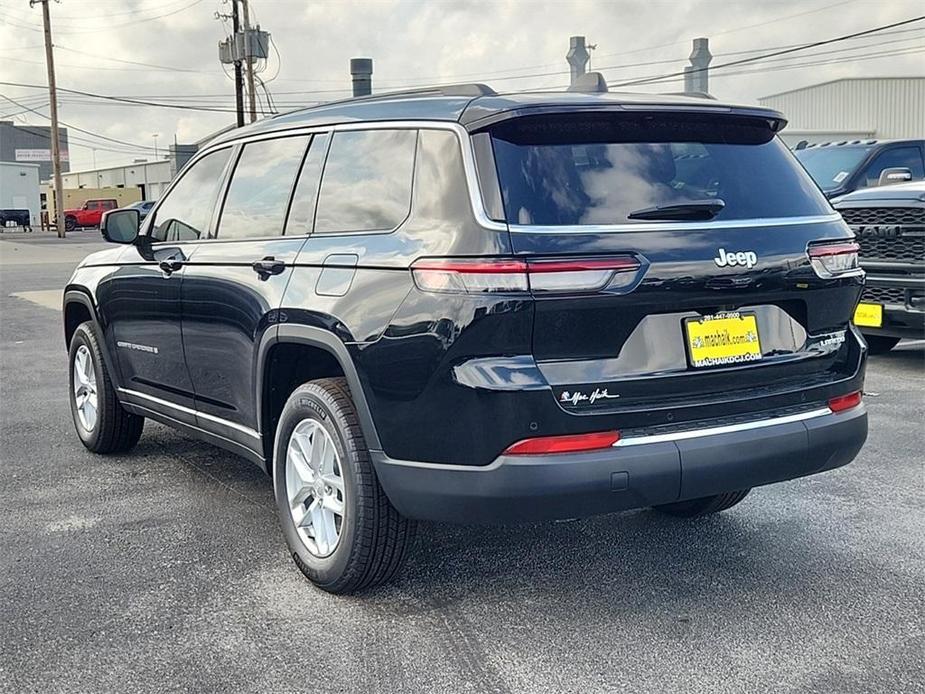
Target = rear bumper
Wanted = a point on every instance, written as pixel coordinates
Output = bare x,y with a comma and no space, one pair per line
635,473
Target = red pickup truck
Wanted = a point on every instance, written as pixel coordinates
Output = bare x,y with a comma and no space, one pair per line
88,214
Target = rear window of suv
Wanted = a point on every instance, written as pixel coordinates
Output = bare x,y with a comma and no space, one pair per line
596,169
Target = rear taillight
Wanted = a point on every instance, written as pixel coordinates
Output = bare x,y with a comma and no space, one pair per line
831,260
845,402
572,443
507,275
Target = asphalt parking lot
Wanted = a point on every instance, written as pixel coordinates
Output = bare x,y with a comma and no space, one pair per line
165,570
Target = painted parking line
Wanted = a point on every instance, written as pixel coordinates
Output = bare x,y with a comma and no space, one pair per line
46,298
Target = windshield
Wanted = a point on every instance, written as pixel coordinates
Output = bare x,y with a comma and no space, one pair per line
584,169
830,166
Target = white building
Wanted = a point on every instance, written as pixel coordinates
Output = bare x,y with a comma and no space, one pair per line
150,177
19,188
854,108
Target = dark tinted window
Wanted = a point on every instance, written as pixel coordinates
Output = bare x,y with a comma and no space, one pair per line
260,188
302,212
905,157
367,181
831,166
597,169
185,213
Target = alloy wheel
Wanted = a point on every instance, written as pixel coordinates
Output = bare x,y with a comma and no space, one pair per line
315,487
85,396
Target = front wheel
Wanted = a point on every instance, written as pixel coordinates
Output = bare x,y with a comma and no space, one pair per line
101,423
70,223
342,530
704,506
880,344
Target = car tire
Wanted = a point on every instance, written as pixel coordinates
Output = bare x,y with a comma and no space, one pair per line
880,344
704,506
102,424
70,223
323,477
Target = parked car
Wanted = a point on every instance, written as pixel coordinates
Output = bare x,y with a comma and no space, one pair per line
889,224
88,214
841,167
16,218
463,306
143,207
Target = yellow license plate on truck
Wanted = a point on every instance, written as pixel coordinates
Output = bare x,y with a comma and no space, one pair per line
868,315
721,339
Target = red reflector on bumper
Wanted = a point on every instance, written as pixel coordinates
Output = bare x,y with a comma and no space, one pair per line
845,402
576,443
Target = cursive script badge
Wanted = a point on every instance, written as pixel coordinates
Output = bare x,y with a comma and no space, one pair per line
577,397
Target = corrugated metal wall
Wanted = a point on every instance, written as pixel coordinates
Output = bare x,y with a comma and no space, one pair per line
889,107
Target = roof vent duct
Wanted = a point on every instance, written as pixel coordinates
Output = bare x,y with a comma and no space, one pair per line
590,83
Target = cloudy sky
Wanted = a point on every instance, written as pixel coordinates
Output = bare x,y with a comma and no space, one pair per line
165,51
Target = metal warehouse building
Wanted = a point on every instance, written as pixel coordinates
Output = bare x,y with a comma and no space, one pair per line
855,108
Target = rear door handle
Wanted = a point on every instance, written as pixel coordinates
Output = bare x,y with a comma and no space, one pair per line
268,266
170,265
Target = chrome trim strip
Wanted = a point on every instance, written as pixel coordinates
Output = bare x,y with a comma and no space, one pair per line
475,197
729,429
180,408
674,226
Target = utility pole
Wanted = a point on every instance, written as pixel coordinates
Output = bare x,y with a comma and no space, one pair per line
53,99
251,94
238,81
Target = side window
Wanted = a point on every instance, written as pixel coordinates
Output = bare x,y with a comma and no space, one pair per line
906,157
302,211
261,186
92,205
109,204
367,181
185,213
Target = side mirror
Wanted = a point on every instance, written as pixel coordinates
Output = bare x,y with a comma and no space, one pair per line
120,226
896,174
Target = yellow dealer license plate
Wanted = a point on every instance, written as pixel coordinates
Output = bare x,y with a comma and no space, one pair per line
725,338
868,315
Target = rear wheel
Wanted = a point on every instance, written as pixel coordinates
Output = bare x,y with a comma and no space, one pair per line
880,344
343,532
101,423
704,506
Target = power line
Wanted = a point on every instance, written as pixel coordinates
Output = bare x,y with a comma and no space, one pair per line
74,127
107,27
786,51
79,17
640,80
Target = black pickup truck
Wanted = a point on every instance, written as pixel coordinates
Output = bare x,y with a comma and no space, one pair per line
842,167
889,223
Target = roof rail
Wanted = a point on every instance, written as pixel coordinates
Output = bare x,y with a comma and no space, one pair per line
473,89
698,95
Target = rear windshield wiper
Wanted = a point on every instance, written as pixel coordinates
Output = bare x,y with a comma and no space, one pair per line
692,210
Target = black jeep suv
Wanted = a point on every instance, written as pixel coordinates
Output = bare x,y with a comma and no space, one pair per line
458,305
